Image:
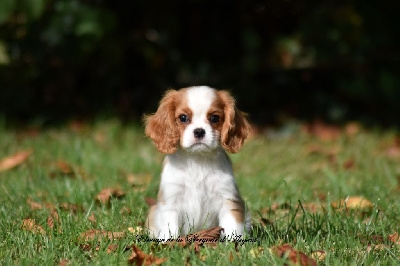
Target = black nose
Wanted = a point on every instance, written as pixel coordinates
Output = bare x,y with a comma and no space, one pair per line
199,133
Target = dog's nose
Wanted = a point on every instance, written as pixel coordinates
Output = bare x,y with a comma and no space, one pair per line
199,133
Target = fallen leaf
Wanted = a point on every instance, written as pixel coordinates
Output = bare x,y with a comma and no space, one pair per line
231,258
71,207
62,168
150,201
348,164
125,210
92,219
318,150
112,248
395,238
208,237
352,129
98,235
394,149
137,230
100,137
378,247
138,257
62,206
54,220
257,252
294,256
138,179
63,263
318,255
374,239
78,126
34,205
14,160
311,207
30,225
106,194
353,203
322,131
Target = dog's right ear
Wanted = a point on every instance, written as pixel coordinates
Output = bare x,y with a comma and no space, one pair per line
161,127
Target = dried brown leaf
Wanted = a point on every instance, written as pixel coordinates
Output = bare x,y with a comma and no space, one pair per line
257,252
378,247
54,220
137,230
231,258
311,207
294,256
34,205
352,129
394,149
63,263
106,194
318,255
71,207
30,225
349,164
62,168
353,203
98,235
112,248
14,160
208,237
138,179
319,150
395,238
92,219
63,206
322,131
138,257
125,210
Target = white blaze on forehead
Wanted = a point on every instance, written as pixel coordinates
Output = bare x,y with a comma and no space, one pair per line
200,99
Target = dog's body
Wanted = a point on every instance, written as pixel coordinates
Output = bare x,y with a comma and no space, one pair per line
197,188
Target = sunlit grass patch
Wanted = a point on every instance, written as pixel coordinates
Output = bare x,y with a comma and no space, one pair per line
301,190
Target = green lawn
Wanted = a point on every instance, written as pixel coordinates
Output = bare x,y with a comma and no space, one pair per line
275,173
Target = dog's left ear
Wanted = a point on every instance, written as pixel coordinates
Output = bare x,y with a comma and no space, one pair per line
236,127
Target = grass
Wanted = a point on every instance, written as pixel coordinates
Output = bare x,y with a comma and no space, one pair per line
279,178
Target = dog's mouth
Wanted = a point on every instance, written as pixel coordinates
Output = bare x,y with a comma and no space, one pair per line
199,146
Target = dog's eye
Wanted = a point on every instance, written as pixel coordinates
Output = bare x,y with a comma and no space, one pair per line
184,119
214,119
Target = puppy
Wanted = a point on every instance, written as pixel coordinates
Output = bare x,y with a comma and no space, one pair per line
194,126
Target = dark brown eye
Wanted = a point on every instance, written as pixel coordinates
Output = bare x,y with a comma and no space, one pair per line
214,119
184,119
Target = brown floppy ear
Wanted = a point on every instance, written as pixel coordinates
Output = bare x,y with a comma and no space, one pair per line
235,128
161,126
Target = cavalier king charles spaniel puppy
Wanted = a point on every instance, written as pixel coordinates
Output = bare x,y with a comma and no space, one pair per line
194,126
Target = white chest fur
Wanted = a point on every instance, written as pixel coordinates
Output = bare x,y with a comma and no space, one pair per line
194,192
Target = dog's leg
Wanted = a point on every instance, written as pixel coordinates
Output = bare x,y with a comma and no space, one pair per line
167,222
150,222
232,218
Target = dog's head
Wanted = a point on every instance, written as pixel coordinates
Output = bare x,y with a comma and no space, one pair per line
199,119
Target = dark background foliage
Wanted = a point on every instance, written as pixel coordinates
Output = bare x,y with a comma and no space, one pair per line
333,60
